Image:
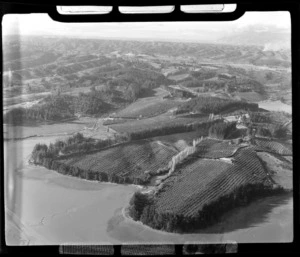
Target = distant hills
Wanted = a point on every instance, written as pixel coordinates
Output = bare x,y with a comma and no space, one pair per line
271,37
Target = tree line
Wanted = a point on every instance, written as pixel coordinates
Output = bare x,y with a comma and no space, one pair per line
74,144
214,105
223,130
52,157
201,127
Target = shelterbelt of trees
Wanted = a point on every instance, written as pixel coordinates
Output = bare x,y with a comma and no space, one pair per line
78,143
201,127
223,130
74,144
215,105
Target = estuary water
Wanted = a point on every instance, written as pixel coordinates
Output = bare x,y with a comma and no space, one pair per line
46,208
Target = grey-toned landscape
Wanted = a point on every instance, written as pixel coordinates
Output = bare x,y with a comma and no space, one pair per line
147,133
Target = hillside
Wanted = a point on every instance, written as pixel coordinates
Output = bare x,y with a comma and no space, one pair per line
207,189
271,37
125,163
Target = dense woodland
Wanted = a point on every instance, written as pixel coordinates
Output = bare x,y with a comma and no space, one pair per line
59,107
223,130
269,130
51,108
124,85
260,117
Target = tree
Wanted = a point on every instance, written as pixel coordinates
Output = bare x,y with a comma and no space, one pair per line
130,93
93,89
138,203
262,131
280,132
222,130
269,76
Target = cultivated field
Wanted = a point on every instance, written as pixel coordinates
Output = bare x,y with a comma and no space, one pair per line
268,145
129,162
203,182
188,182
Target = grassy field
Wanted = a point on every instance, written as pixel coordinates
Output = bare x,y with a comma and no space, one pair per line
47,129
180,140
179,77
148,107
155,122
84,125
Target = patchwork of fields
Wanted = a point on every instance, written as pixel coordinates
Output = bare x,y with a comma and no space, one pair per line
169,117
218,176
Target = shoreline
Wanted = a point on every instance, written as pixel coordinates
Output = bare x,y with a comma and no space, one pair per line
233,225
236,199
119,231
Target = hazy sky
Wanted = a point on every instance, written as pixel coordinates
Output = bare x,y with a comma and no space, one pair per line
42,24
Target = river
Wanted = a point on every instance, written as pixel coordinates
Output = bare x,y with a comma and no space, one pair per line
47,208
275,106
